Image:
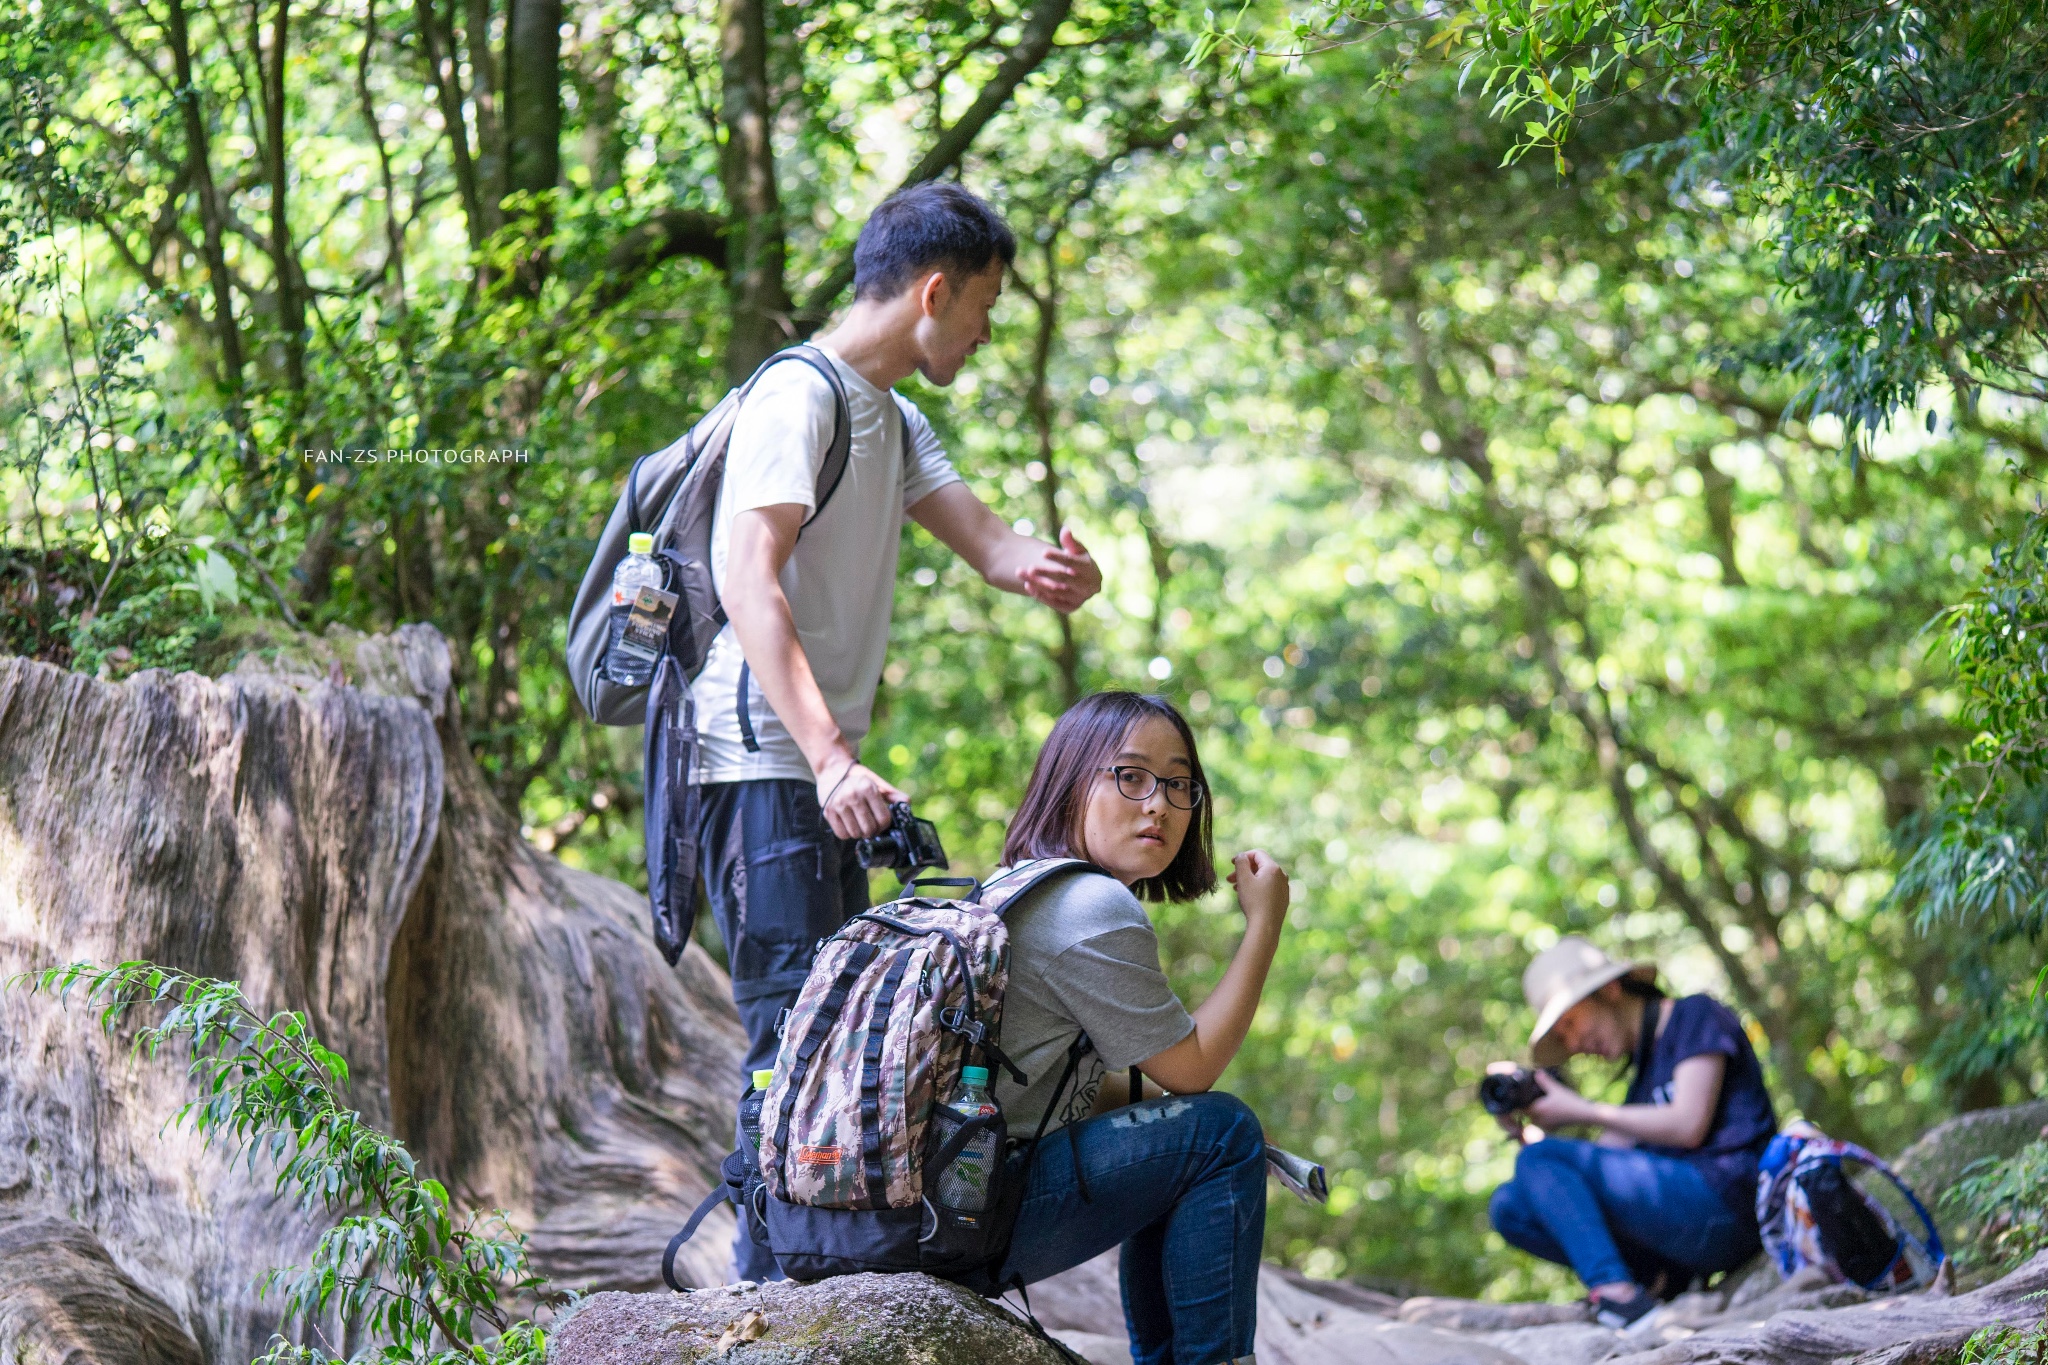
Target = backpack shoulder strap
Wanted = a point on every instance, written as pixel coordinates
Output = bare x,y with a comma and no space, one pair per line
998,894
841,450
633,496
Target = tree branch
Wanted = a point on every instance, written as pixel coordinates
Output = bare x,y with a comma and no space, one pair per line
1031,49
663,237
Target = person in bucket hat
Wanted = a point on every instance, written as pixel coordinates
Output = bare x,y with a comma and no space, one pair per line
1666,1194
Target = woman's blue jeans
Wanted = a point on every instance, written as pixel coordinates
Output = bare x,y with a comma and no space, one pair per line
1614,1214
1180,1183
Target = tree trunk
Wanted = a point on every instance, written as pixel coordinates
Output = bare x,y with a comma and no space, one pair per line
1038,400
755,249
533,94
291,303
199,152
437,44
334,849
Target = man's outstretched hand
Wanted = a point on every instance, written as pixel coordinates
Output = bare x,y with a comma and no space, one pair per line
1063,576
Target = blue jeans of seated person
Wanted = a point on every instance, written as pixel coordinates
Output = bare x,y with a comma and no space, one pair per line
1614,1214
778,880
1180,1183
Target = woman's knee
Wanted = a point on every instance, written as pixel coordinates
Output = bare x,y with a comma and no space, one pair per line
1548,1155
1507,1210
1241,1137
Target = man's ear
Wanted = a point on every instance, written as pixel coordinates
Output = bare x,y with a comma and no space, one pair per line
933,293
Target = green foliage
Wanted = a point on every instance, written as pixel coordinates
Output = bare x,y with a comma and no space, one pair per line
1978,867
1900,153
2003,1345
428,1285
2006,1205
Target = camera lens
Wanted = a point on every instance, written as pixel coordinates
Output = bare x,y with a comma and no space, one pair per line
1505,1092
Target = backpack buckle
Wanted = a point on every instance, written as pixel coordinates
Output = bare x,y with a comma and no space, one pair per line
781,1021
954,1019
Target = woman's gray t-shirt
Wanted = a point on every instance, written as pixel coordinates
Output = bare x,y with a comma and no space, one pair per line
1083,959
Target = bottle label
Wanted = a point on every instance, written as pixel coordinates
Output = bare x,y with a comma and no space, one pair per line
647,625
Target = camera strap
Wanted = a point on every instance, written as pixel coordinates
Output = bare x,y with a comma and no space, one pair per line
747,740
1646,1040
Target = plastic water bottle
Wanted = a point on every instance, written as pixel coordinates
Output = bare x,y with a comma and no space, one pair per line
627,660
750,1114
963,1186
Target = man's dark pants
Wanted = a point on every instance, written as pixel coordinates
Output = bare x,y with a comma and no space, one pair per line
779,880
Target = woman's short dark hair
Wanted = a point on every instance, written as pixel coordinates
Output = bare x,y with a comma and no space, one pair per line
937,224
1087,738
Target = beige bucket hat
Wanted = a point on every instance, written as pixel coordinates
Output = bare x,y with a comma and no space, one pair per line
1561,976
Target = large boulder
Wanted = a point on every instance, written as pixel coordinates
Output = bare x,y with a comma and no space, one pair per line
315,828
852,1320
63,1299
1934,1164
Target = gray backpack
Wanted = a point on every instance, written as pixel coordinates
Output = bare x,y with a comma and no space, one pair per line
681,483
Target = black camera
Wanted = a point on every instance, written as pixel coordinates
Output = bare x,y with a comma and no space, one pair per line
909,844
1510,1092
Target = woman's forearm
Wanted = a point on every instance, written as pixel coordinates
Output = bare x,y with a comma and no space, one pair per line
1685,1120
1661,1125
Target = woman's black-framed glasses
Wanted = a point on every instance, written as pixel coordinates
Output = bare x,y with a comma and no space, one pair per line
1136,784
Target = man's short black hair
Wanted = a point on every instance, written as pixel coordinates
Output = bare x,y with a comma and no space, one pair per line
935,225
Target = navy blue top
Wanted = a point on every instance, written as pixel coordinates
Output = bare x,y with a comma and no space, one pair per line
1743,1118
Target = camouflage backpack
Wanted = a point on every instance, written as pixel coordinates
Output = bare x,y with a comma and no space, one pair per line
853,1138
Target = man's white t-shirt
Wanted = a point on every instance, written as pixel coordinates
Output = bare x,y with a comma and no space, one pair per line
841,578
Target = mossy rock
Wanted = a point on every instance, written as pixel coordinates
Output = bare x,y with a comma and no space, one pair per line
1934,1164
851,1320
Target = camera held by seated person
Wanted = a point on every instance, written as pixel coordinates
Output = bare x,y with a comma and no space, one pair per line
1667,1193
1510,1091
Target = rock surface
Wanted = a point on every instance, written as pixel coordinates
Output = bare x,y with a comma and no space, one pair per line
321,835
1926,1323
854,1320
1301,1322
1471,1315
63,1299
1934,1163
914,1320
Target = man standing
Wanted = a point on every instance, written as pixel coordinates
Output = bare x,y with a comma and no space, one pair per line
788,686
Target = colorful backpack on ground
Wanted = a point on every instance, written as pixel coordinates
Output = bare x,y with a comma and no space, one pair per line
853,1140
1810,1212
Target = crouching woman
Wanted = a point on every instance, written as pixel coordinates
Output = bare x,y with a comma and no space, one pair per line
1668,1192
1177,1181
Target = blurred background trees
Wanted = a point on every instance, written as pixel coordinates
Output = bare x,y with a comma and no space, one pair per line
1524,533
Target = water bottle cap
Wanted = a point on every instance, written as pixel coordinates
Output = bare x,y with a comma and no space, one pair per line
641,543
974,1075
763,1079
